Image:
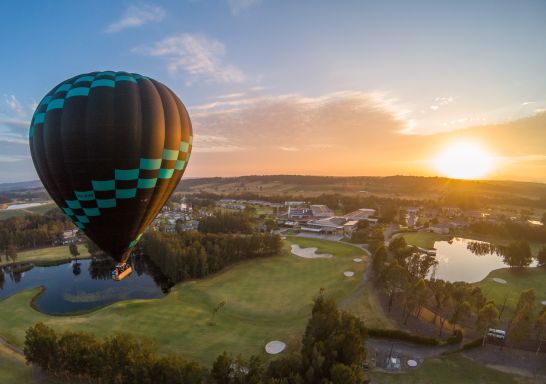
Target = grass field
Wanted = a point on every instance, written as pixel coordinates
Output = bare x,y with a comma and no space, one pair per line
40,210
45,256
422,239
454,369
265,299
517,281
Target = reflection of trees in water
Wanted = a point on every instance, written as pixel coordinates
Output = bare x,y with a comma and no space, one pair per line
481,249
101,269
14,271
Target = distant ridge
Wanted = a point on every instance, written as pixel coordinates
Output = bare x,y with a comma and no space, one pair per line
21,185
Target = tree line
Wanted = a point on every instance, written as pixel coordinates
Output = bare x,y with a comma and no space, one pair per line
510,230
332,352
32,231
193,254
227,222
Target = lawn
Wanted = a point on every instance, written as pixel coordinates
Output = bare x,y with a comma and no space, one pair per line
43,256
13,368
39,210
423,239
517,281
454,369
265,299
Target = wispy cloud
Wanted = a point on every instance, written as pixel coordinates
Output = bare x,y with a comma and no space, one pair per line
198,56
136,16
238,6
440,102
16,106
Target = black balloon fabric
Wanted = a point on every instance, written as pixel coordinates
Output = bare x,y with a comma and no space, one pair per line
110,148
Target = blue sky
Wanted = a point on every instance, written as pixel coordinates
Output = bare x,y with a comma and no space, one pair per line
422,67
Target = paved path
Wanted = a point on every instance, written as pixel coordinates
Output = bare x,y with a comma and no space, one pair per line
8,345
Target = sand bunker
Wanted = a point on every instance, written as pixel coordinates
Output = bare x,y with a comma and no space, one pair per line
309,253
275,347
499,280
412,363
357,260
349,273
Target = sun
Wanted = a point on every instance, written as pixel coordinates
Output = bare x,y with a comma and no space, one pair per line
464,160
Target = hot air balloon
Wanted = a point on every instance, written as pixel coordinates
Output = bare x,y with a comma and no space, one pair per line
110,148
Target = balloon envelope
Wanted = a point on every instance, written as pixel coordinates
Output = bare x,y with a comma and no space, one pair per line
110,148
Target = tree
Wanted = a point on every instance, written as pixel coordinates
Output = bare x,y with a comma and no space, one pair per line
541,257
92,248
11,252
41,346
395,279
522,321
215,311
541,326
222,369
73,248
331,338
488,316
440,292
461,311
518,254
343,374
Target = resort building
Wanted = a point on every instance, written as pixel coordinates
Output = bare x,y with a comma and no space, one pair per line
320,211
362,214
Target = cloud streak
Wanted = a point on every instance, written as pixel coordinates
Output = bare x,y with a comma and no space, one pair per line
239,6
198,56
342,133
136,16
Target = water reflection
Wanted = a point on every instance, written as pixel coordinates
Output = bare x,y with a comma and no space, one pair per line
83,285
467,260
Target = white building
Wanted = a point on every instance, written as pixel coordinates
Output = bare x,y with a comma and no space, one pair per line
321,211
362,214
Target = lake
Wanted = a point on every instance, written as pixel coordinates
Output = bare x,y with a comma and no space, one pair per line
68,290
458,263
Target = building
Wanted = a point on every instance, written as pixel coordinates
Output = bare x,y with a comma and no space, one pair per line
349,227
299,213
320,211
451,211
294,203
362,214
69,236
327,226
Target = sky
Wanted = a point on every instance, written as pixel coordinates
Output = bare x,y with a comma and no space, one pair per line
300,87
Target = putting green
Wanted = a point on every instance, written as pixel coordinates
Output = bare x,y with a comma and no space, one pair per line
265,299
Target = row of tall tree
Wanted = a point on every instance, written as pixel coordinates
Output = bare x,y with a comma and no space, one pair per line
332,352
402,273
32,231
193,254
508,229
227,222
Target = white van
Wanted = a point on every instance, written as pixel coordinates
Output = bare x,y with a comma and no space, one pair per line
496,333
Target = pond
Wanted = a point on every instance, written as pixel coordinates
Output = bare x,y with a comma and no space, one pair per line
466,260
69,289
